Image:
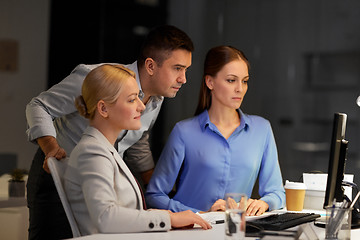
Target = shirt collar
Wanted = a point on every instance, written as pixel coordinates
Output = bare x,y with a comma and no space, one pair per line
204,120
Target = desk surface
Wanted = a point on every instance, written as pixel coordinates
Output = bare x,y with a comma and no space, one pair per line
216,233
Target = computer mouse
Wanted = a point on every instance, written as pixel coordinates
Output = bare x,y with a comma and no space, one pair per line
252,230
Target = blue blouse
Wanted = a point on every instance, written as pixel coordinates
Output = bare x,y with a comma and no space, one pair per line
204,165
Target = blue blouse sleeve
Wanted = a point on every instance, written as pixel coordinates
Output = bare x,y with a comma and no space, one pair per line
165,175
271,187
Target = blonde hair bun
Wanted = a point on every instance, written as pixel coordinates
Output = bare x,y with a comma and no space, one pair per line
81,106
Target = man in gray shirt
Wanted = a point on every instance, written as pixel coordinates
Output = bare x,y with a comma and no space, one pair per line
56,126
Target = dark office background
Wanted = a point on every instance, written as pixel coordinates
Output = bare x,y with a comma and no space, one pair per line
305,58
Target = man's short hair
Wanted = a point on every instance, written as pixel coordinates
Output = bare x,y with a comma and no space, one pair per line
161,41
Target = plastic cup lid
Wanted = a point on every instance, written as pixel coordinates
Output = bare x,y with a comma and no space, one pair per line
294,185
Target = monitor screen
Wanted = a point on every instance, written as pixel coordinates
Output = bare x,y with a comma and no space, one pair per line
336,168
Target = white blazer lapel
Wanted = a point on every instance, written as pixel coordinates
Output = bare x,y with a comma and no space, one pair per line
94,132
130,176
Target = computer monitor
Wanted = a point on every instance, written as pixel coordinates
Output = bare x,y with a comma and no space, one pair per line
336,168
337,160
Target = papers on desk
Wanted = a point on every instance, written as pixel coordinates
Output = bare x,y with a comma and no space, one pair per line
213,217
219,217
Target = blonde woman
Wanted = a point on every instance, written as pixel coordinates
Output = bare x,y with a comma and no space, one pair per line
102,192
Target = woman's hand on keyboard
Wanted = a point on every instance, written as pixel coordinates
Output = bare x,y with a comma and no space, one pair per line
256,207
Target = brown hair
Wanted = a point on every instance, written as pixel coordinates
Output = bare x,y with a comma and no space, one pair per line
161,41
216,59
102,83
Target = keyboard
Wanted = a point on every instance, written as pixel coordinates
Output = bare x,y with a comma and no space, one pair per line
283,221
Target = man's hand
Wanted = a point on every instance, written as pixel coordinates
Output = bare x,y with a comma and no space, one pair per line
51,148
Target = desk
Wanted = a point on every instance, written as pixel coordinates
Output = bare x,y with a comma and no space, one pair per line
216,233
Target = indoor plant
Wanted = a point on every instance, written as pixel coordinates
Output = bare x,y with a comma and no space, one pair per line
17,183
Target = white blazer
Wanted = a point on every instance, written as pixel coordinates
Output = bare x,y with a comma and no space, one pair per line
103,194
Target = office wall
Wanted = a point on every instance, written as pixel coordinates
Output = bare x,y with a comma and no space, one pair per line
26,22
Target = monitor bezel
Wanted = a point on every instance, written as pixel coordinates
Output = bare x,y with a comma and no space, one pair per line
337,161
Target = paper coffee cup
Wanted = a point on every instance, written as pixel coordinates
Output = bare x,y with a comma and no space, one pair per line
295,195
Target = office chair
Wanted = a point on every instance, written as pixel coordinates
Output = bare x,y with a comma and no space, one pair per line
57,169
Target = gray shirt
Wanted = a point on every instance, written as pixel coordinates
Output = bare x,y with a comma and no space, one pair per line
53,113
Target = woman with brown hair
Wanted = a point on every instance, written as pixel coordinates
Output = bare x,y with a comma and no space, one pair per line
221,149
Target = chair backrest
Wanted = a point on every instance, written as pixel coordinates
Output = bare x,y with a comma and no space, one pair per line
57,169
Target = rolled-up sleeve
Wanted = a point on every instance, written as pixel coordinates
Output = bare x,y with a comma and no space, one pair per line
55,102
